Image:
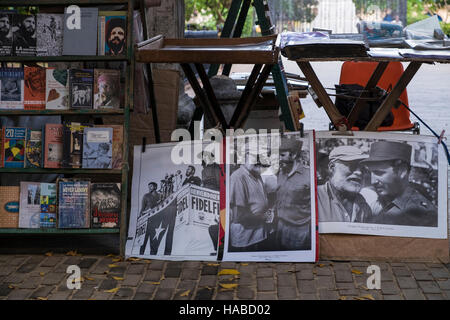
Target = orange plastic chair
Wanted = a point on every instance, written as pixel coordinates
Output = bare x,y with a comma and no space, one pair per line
360,72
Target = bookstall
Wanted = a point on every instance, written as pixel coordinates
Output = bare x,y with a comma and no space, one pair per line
87,156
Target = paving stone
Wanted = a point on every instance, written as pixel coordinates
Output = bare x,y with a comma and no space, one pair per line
190,274
5,289
100,295
14,278
245,293
325,294
247,280
287,293
53,278
429,287
417,266
31,283
18,260
264,272
146,288
204,294
284,268
386,276
192,265
42,291
360,264
51,261
84,293
325,282
228,265
27,267
153,275
142,296
225,295
247,268
401,271
117,271
108,284
440,273
286,280
324,271
413,294
422,275
265,284
444,284
20,294
156,265
172,272
306,286
308,296
435,265
209,270
207,281
124,293
6,270
343,276
87,263
169,283
434,296
61,295
393,297
305,275
72,260
132,280
136,269
36,259
163,294
446,294
349,292
266,296
187,285
406,282
389,288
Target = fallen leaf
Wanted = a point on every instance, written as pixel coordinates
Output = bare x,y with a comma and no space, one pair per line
112,290
156,283
90,279
359,298
213,264
71,253
244,264
228,285
134,259
185,294
42,274
117,260
111,255
356,271
118,278
342,298
364,287
368,297
41,298
106,272
112,265
49,254
228,271
11,286
321,265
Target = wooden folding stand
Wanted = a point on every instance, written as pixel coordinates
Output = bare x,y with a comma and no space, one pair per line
260,52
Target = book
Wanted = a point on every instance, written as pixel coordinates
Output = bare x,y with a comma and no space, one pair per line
6,34
48,205
105,205
30,204
117,144
106,89
83,40
12,87
49,41
9,206
73,144
97,148
73,203
33,149
81,83
53,145
14,147
24,34
112,33
34,88
57,89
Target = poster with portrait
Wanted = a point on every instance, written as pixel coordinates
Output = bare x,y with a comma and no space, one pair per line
270,197
175,203
386,184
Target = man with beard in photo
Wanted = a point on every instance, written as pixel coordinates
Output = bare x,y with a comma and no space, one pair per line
5,33
115,37
398,201
25,35
339,199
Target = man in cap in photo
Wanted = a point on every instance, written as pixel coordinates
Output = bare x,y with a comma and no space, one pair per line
115,36
108,92
339,199
389,163
293,199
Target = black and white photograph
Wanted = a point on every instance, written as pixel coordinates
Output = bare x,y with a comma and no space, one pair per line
6,35
49,34
381,184
24,35
11,89
81,95
175,210
270,212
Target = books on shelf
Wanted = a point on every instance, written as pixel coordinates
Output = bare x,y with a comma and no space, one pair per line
117,144
53,145
81,83
30,204
12,87
73,203
81,41
97,148
49,39
14,147
34,88
24,34
6,34
73,144
57,89
112,33
106,89
48,205
33,149
9,206
105,205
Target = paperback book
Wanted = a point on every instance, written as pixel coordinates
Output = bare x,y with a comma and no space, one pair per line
117,144
105,205
12,87
106,89
14,147
24,35
49,40
30,204
73,144
81,41
48,205
81,82
33,149
97,148
9,206
112,33
34,88
57,89
73,203
6,34
53,146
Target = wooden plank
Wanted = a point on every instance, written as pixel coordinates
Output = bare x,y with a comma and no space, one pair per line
150,44
360,102
333,113
211,42
392,98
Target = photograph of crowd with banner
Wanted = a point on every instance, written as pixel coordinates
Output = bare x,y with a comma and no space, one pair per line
279,190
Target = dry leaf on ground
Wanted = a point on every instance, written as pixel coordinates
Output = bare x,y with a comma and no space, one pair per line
228,271
112,290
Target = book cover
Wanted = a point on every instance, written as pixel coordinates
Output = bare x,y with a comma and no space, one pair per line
53,146
9,207
73,144
97,148
24,35
105,205
48,205
112,33
33,149
14,147
30,204
117,144
57,89
49,41
1,147
82,41
34,88
73,203
6,34
106,89
11,88
81,82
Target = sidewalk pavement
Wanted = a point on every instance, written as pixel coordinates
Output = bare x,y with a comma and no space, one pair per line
44,277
